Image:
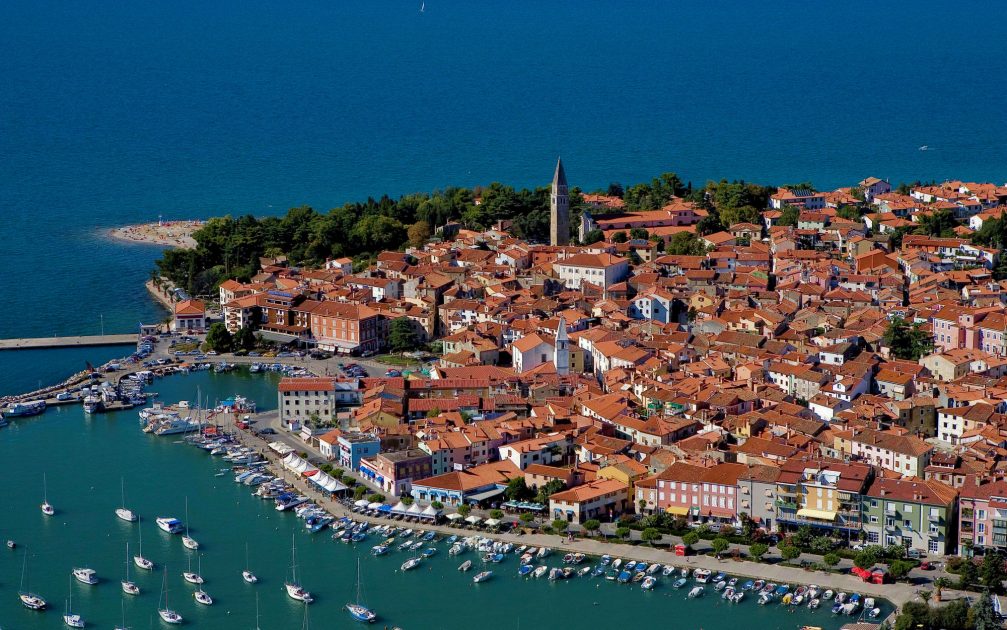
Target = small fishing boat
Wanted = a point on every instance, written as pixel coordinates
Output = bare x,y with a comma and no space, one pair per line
379,550
411,563
747,586
617,563
720,577
787,598
524,570
738,596
648,583
668,570
605,560
728,593
11,544
828,594
639,576
557,574
685,572
782,590
680,582
583,571
597,571
719,586
837,608
654,568
465,566
630,565
86,576
482,577
624,576
697,591
429,551
702,575
814,603
769,588
874,613
764,599
539,571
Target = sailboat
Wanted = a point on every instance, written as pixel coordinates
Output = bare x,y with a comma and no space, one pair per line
257,612
124,512
294,590
190,577
247,574
128,587
423,7
200,595
29,599
139,560
188,541
357,610
47,507
167,615
69,618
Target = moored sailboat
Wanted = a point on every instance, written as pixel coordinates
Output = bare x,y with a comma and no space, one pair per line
167,614
293,587
357,610
28,599
124,512
138,559
129,587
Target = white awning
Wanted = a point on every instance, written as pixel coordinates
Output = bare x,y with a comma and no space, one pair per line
361,503
414,510
400,508
473,519
327,482
455,516
375,505
492,522
431,512
296,464
281,448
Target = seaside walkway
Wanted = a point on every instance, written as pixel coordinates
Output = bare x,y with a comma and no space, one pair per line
81,341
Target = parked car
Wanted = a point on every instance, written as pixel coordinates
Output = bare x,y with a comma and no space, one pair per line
268,431
393,373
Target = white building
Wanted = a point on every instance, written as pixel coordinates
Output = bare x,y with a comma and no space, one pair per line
300,398
601,270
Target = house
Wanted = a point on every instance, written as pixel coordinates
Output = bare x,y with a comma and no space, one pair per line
303,398
546,449
757,494
602,270
871,187
914,513
394,472
822,494
900,453
601,499
801,197
982,516
348,328
471,485
354,447
190,316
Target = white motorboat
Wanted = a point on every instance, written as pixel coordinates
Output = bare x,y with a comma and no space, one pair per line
465,566
482,577
697,591
170,525
411,563
85,576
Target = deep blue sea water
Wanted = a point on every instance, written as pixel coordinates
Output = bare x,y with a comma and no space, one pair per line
116,112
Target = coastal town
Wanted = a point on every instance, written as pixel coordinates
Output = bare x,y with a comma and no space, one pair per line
825,382
824,366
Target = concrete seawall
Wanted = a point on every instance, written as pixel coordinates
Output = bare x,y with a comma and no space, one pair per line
67,342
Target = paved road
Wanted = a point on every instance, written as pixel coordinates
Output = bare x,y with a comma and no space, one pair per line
67,342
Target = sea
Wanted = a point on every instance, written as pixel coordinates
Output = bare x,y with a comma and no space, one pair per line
125,112
86,461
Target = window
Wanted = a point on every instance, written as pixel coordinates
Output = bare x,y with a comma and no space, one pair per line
907,524
874,519
873,538
672,485
934,546
907,508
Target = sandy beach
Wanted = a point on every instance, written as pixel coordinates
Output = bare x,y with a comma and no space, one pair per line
165,233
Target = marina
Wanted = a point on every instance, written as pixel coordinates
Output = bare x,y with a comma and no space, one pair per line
262,526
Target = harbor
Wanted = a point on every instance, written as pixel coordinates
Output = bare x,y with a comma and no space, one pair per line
91,454
68,342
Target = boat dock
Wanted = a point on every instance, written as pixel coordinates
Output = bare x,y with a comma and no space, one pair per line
81,341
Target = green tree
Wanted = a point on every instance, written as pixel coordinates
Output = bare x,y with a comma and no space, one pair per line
709,224
899,569
376,498
686,244
619,237
720,545
821,544
526,517
592,525
790,553
409,501
969,575
691,538
742,214
848,212
517,490
650,535
983,616
359,492
497,514
547,489
218,338
622,532
639,234
402,336
992,571
789,216
758,550
940,584
559,525
245,338
594,236
464,509
865,559
831,559
937,223
907,342
418,233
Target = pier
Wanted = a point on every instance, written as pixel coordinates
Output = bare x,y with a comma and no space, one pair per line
80,341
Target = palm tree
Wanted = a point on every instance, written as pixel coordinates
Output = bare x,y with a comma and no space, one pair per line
940,584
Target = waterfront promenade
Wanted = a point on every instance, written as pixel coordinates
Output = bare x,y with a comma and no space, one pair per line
898,593
78,341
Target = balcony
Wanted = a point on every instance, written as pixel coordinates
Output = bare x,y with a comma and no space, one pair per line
787,505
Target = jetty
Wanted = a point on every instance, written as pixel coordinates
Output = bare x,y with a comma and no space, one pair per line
79,341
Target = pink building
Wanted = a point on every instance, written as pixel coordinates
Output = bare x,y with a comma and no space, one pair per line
700,494
982,515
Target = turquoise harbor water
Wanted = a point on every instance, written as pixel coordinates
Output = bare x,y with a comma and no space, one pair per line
117,112
84,460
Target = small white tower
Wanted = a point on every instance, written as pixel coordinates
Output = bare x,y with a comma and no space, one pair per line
561,354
